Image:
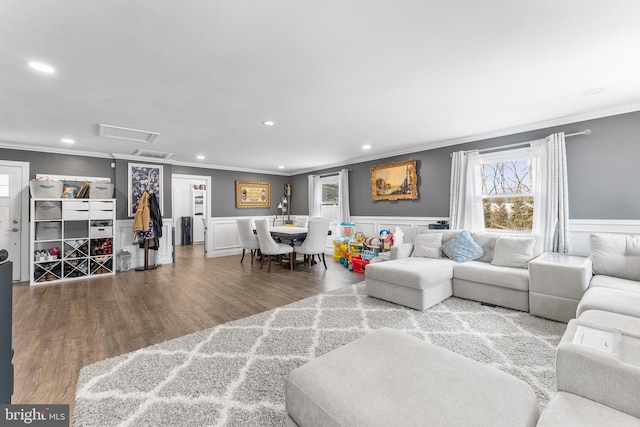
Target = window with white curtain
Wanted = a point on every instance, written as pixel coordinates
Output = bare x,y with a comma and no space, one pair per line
508,179
329,209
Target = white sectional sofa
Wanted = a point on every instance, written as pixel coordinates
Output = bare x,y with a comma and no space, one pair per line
600,384
615,285
420,274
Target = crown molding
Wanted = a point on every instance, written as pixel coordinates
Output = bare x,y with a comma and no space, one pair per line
43,149
230,168
576,118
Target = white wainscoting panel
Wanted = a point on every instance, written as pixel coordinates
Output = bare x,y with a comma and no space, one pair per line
371,226
223,238
124,240
580,229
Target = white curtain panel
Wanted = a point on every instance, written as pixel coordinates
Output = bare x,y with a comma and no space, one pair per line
315,196
465,203
551,213
344,213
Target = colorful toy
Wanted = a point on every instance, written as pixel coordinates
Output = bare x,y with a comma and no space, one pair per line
358,264
348,230
386,239
338,251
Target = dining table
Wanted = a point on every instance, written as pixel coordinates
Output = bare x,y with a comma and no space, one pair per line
291,234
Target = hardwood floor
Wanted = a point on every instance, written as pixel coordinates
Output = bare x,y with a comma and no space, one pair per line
60,328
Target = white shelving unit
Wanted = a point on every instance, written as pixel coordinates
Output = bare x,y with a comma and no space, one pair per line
71,239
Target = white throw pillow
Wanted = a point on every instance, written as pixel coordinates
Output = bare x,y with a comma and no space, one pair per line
513,251
427,245
616,255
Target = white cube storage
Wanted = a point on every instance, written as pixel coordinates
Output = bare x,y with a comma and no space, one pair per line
75,243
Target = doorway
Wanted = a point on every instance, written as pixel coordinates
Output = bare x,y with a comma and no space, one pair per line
191,207
14,210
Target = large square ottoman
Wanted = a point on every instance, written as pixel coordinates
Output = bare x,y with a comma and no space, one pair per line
389,378
414,282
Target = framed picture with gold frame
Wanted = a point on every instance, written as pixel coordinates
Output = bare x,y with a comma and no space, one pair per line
394,181
253,194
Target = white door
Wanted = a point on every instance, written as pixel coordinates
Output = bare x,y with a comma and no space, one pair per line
11,224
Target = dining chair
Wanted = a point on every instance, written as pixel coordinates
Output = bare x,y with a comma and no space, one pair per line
248,239
270,247
315,242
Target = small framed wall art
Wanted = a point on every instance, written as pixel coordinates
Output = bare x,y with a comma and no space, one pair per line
394,181
253,194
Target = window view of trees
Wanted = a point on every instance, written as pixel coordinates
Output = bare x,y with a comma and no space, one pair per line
507,193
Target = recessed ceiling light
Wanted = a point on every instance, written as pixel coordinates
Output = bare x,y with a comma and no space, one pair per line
44,68
280,167
200,157
593,91
366,147
67,140
268,123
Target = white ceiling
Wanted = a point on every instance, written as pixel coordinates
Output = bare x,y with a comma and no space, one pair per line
401,75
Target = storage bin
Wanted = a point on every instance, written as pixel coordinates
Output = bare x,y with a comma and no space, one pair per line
48,210
45,189
75,210
48,230
101,206
101,210
101,231
76,205
100,190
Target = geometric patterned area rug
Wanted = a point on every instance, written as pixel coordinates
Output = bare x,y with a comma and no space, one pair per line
233,374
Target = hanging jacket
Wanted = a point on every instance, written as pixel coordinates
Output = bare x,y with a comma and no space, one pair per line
155,224
142,214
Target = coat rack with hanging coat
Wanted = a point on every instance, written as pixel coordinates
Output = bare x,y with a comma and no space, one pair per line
147,226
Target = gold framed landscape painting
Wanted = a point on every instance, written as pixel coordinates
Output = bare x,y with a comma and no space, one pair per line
394,181
253,194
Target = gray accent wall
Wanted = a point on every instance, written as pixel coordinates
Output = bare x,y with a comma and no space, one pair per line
603,173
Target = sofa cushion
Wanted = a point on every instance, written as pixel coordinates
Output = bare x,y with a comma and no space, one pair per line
463,248
616,255
612,300
412,272
626,324
513,251
427,245
482,272
614,283
570,410
488,243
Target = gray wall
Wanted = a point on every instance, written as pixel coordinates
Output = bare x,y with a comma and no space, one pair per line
223,182
223,190
603,173
60,164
